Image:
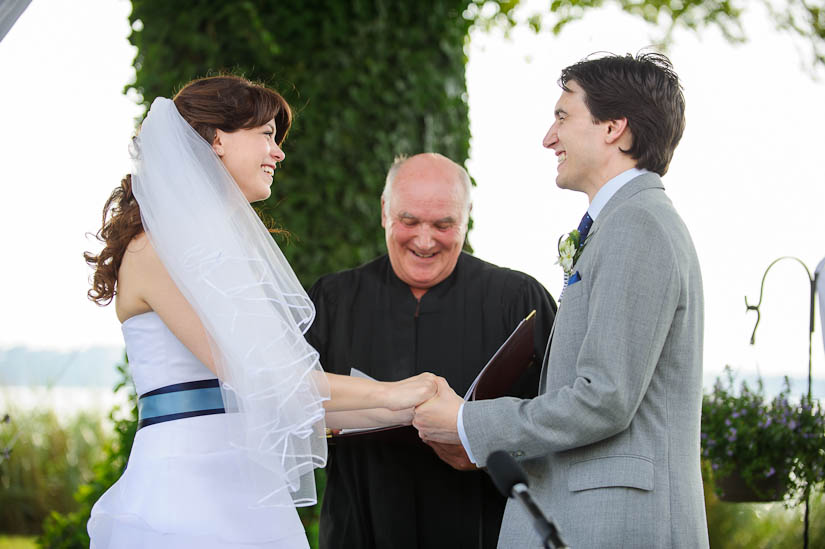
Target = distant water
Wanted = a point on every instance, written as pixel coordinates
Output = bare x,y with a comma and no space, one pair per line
66,402
92,367
66,382
773,385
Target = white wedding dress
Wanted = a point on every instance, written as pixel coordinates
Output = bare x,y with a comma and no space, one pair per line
185,485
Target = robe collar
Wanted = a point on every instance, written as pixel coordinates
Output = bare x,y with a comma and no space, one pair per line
433,299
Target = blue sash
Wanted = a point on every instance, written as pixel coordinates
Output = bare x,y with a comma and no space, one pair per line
181,400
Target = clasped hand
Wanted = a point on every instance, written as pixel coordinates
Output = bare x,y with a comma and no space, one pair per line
409,393
436,418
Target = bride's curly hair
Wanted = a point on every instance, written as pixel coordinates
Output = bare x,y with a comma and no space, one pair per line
229,103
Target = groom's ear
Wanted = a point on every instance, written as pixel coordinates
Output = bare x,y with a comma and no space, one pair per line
615,129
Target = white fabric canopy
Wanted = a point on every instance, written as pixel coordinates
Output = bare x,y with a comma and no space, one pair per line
10,11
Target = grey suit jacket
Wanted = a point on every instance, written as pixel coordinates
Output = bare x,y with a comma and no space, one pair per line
611,444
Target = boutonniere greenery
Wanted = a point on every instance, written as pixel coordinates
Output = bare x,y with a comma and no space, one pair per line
570,248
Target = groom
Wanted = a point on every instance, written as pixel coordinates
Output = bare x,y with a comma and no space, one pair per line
611,444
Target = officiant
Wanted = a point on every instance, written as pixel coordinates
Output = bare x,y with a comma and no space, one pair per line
425,306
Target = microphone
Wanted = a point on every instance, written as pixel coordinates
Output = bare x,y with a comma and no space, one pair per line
511,480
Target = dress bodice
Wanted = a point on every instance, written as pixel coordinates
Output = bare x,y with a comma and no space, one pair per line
157,358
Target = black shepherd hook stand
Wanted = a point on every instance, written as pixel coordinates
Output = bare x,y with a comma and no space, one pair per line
812,280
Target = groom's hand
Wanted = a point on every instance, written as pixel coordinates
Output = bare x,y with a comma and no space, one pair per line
453,455
436,419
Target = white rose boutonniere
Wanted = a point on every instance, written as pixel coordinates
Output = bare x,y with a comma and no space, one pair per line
569,251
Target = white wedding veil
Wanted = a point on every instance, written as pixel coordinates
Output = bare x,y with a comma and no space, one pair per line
254,310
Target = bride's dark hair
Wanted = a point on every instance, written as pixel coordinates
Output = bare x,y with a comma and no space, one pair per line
229,103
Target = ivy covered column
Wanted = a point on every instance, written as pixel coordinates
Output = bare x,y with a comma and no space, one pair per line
368,79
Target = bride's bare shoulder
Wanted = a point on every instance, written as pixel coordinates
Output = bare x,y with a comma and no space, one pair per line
138,274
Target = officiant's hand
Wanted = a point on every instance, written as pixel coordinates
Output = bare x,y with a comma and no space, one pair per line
410,392
436,419
453,455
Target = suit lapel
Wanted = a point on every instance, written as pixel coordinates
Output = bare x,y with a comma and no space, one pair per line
636,185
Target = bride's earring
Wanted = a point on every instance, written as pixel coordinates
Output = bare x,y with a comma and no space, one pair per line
216,143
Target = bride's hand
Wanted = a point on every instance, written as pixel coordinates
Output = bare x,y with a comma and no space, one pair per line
410,392
403,417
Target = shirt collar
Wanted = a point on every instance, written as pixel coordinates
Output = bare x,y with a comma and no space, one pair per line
610,188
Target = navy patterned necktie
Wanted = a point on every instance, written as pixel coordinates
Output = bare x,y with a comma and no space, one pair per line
584,227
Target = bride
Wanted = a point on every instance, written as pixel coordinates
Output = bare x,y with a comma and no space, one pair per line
232,399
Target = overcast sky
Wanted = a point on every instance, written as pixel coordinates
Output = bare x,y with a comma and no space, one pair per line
747,177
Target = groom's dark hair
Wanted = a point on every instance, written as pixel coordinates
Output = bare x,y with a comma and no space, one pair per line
645,90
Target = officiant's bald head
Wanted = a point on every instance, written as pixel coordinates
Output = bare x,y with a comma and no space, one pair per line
425,208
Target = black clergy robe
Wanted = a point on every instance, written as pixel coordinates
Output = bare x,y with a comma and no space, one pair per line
397,494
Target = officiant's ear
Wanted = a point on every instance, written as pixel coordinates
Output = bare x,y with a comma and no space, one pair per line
615,130
217,146
383,213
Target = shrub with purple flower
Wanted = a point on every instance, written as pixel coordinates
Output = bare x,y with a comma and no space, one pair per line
745,433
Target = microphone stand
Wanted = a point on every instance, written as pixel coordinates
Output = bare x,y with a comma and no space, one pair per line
511,480
550,538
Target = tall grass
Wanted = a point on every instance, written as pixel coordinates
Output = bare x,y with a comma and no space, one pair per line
67,530
46,463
